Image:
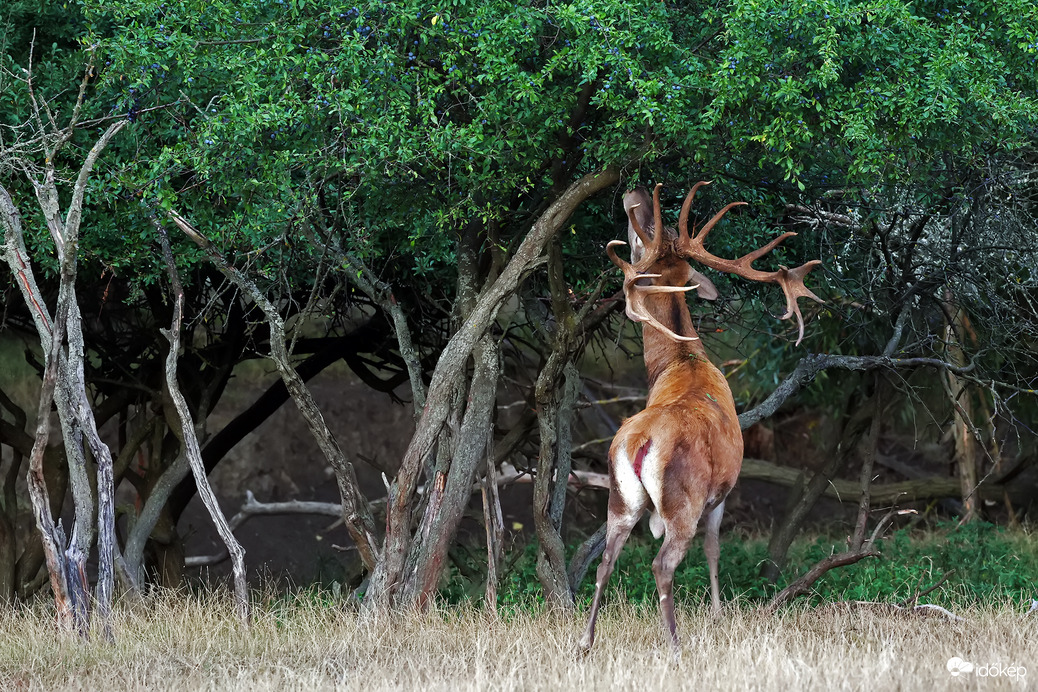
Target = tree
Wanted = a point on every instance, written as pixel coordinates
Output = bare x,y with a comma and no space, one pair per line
419,162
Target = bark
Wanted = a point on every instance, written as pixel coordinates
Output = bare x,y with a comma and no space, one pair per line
921,489
493,523
253,508
966,448
555,405
450,491
450,367
555,393
9,515
382,293
585,554
74,410
52,536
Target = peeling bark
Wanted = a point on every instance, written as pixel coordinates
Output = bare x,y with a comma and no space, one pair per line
64,338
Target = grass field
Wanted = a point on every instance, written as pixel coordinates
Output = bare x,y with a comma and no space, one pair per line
176,641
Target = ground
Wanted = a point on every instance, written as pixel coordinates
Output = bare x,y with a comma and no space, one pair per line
173,642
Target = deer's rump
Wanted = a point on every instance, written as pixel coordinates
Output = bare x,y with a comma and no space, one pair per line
676,461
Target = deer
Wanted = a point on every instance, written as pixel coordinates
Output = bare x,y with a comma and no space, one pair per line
681,455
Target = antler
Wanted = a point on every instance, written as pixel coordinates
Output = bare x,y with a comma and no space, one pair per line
635,292
790,280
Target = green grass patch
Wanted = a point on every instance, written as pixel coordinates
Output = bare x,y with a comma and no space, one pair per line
988,564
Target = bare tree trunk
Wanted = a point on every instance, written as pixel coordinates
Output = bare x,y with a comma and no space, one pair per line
963,429
189,439
494,525
557,388
449,493
555,405
52,535
74,409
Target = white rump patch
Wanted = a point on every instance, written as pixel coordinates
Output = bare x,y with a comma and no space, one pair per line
631,489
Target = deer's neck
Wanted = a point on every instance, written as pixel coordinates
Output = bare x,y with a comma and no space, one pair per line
661,351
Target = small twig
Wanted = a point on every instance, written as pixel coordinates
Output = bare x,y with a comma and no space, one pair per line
910,601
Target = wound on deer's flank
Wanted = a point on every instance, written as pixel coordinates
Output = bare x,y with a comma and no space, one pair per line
640,457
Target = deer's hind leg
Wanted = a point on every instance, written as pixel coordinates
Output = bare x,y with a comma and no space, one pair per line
681,512
712,548
627,502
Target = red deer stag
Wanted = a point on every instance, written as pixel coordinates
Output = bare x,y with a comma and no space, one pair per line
682,454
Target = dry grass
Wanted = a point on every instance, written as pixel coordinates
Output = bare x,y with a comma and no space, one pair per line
176,642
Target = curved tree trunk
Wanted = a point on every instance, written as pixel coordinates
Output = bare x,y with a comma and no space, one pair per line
390,572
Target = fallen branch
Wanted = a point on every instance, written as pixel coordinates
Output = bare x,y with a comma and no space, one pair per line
924,609
253,508
914,490
804,582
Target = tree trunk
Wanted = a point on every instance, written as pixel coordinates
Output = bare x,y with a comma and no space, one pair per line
966,450
555,406
389,574
783,534
449,492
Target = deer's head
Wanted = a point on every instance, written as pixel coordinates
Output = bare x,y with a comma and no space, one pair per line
659,260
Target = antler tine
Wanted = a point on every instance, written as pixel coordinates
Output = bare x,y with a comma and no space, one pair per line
791,281
683,217
611,251
701,234
635,294
636,312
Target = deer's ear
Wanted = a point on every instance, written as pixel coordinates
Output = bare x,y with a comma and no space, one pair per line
640,201
706,290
